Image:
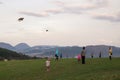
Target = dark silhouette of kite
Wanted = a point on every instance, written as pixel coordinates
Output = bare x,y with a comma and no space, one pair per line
20,19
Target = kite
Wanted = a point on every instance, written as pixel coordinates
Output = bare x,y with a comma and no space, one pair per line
20,19
46,30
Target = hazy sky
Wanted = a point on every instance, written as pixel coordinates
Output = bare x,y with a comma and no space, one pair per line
70,22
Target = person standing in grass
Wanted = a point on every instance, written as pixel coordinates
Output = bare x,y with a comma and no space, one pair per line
83,55
60,55
91,55
110,53
56,54
100,54
48,64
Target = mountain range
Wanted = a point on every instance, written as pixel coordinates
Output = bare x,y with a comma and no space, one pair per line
7,46
67,51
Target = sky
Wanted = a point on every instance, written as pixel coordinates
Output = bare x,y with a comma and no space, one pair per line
69,22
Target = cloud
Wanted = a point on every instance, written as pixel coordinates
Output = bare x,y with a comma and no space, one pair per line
1,3
104,41
108,17
60,3
99,2
42,14
79,8
74,8
54,11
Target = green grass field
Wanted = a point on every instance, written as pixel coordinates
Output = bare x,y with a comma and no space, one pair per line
64,69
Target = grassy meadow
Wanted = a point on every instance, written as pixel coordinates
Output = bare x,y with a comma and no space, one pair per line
64,69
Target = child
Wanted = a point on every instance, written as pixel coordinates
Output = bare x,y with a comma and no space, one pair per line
78,57
48,64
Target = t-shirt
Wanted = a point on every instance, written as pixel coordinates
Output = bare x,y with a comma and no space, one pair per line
83,53
110,52
47,63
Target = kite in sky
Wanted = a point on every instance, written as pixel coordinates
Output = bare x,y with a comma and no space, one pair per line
20,19
46,30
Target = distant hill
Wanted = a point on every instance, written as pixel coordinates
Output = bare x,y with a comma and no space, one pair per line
65,51
75,50
7,54
96,49
21,47
38,49
6,46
